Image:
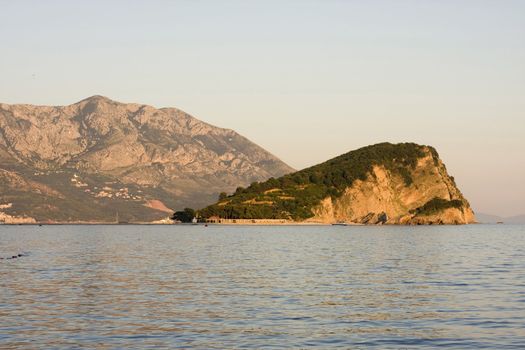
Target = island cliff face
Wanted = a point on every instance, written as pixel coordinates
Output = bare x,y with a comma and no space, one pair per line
384,197
97,158
379,184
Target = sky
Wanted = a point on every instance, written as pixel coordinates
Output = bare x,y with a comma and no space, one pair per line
306,80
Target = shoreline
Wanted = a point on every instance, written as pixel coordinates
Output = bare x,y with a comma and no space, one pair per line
167,224
224,224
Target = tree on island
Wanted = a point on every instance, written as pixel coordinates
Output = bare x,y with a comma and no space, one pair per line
185,215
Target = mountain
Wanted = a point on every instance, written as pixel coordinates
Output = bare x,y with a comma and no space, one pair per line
99,159
491,219
518,219
384,183
488,218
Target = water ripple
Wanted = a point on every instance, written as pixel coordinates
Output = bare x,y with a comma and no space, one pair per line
114,287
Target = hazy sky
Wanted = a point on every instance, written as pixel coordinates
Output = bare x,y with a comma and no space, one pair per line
307,80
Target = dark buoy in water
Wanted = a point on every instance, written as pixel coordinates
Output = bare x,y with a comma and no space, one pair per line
19,255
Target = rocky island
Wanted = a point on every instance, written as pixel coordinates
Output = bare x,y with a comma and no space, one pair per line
380,184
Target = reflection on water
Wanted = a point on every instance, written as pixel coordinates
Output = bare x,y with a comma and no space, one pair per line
262,287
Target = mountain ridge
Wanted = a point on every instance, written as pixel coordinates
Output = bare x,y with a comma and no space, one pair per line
82,148
491,219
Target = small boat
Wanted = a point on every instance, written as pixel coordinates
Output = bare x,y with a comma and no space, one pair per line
340,223
194,221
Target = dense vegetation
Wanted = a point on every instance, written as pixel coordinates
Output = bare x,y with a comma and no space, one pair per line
185,215
436,205
292,196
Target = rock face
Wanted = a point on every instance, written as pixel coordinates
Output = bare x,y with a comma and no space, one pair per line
379,184
384,198
98,158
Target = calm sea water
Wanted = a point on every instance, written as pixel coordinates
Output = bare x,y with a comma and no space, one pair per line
108,287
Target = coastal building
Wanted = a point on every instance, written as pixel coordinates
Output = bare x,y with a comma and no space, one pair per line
219,220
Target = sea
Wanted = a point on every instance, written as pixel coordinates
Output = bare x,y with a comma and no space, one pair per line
262,287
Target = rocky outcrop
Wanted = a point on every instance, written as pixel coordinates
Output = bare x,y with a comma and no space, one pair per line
385,198
384,183
143,153
11,219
